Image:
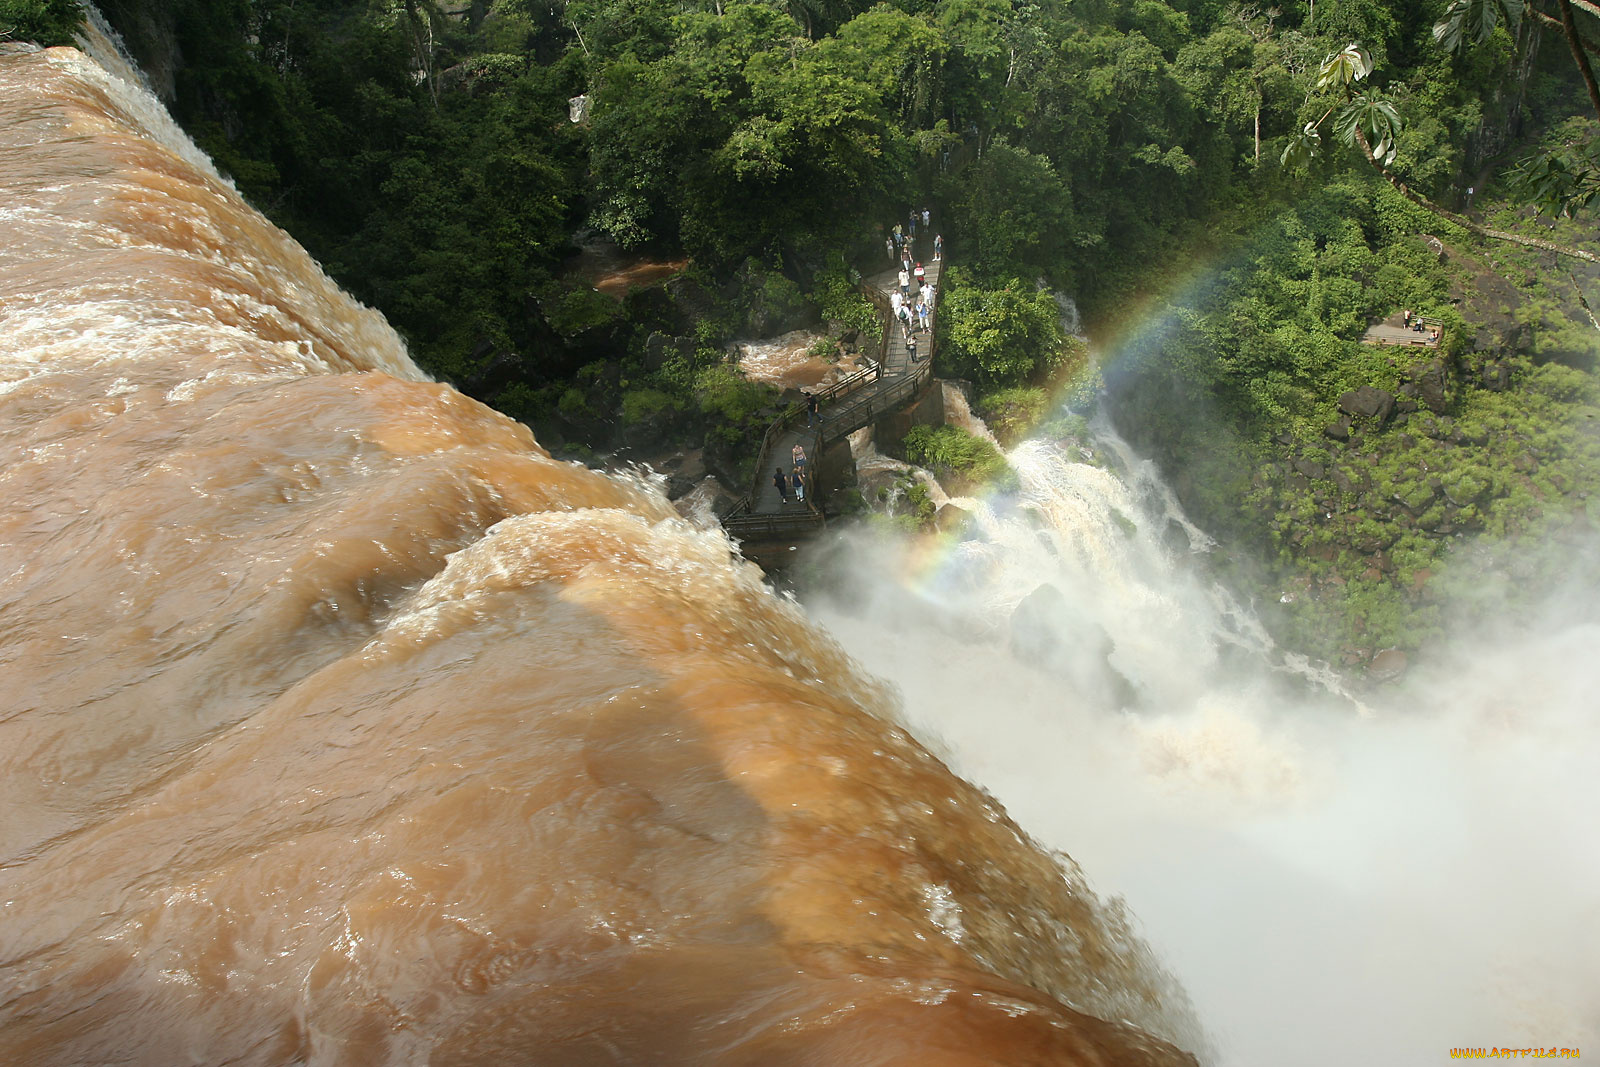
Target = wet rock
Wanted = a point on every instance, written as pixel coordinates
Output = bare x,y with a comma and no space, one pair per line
1339,431
1368,402
1309,468
1049,633
658,348
684,471
1386,666
951,518
1175,537
1342,480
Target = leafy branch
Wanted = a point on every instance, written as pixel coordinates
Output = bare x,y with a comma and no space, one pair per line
1373,125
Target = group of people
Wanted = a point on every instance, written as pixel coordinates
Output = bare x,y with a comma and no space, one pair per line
912,303
1415,324
796,478
901,238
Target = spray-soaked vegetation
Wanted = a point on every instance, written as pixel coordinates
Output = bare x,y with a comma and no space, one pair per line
1232,192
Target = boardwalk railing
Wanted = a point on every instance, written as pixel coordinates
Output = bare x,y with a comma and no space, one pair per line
869,407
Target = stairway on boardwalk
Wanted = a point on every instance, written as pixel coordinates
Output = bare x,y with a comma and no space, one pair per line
845,408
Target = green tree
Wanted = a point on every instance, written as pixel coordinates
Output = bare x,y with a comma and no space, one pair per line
1002,336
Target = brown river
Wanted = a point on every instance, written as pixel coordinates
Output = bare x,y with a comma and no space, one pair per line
342,725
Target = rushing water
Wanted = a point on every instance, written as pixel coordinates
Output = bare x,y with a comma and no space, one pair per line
1334,880
789,361
342,725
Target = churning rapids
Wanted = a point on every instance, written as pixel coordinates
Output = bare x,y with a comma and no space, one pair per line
342,725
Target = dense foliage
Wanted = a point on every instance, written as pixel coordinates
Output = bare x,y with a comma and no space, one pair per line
960,460
1124,151
45,22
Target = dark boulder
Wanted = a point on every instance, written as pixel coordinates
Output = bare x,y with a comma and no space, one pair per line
1386,666
951,518
1431,386
1339,431
1368,402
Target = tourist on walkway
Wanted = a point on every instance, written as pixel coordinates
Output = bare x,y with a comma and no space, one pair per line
895,301
905,282
799,485
938,247
798,454
888,246
913,230
1406,316
923,314
781,482
927,294
922,276
911,347
811,407
926,215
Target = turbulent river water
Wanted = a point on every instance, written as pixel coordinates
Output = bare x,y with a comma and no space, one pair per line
341,725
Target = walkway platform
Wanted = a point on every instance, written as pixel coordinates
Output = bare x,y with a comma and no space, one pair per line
843,408
1394,331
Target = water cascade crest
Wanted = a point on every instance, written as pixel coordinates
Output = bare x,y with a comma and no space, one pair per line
345,726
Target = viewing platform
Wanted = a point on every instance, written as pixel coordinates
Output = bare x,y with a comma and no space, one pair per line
1394,331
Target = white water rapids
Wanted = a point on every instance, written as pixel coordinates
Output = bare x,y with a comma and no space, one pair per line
1335,880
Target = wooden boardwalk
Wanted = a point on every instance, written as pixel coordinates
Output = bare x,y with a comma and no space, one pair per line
843,408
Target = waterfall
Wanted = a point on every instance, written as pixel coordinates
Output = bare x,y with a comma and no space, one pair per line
1381,875
345,725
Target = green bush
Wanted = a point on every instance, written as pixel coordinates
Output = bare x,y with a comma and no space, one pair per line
999,337
841,301
961,461
1012,413
644,405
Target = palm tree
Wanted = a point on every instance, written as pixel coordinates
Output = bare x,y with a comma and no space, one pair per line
1373,125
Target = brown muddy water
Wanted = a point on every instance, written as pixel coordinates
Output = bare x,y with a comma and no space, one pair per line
342,725
613,271
789,361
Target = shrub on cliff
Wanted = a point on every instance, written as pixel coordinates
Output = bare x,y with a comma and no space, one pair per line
961,461
1012,413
